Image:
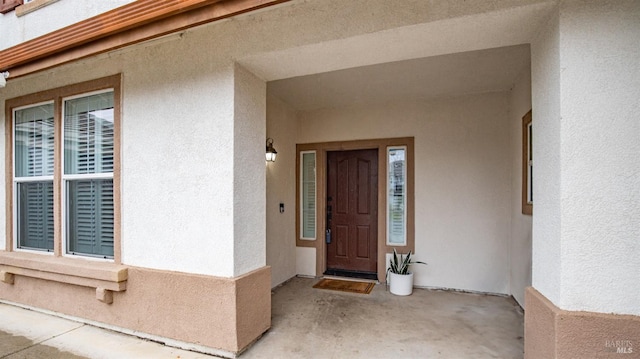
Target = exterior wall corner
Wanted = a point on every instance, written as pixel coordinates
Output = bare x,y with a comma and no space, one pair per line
253,306
554,333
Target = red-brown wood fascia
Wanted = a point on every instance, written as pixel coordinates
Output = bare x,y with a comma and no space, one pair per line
9,5
129,24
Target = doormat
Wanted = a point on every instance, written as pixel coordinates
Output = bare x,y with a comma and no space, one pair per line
345,286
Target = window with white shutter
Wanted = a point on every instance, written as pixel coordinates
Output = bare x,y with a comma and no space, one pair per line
88,174
33,176
65,185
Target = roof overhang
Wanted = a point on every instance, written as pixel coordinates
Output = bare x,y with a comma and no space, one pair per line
135,22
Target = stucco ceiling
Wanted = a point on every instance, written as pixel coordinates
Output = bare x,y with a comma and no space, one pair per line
479,71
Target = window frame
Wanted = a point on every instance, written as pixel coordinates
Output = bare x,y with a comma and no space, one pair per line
28,6
404,193
381,144
15,180
58,96
301,195
527,164
67,178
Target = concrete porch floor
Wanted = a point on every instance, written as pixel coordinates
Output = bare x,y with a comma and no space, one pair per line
307,323
315,323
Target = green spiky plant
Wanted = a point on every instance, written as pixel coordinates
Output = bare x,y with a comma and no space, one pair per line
400,266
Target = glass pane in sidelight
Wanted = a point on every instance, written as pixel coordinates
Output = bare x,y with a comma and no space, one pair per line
396,196
308,195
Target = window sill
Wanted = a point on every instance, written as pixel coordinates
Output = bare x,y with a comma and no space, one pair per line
105,277
32,6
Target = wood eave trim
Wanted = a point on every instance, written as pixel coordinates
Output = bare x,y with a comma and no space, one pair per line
117,20
9,6
130,24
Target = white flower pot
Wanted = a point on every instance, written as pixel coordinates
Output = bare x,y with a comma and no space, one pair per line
401,284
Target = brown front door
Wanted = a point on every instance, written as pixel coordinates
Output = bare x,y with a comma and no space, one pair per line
352,210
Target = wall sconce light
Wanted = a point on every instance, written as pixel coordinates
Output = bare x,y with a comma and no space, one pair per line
271,152
3,78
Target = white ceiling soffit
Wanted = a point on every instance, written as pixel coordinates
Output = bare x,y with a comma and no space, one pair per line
418,79
512,26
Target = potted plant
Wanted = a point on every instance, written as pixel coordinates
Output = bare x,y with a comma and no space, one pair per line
398,276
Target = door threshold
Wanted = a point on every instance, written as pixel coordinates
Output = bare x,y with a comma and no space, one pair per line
351,279
344,274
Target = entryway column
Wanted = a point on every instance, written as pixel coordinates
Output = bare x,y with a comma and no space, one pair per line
249,178
253,295
585,300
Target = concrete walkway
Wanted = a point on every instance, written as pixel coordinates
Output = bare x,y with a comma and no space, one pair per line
307,323
26,334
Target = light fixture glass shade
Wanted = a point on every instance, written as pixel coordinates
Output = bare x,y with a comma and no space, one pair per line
271,152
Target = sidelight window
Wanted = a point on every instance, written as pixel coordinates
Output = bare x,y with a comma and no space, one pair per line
396,196
308,195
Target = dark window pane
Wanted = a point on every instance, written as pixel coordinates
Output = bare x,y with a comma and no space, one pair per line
90,217
35,215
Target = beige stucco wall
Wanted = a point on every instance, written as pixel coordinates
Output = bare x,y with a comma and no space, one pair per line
189,204
545,83
55,15
282,126
463,180
216,315
177,149
179,155
600,156
520,240
551,332
249,112
586,219
178,175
